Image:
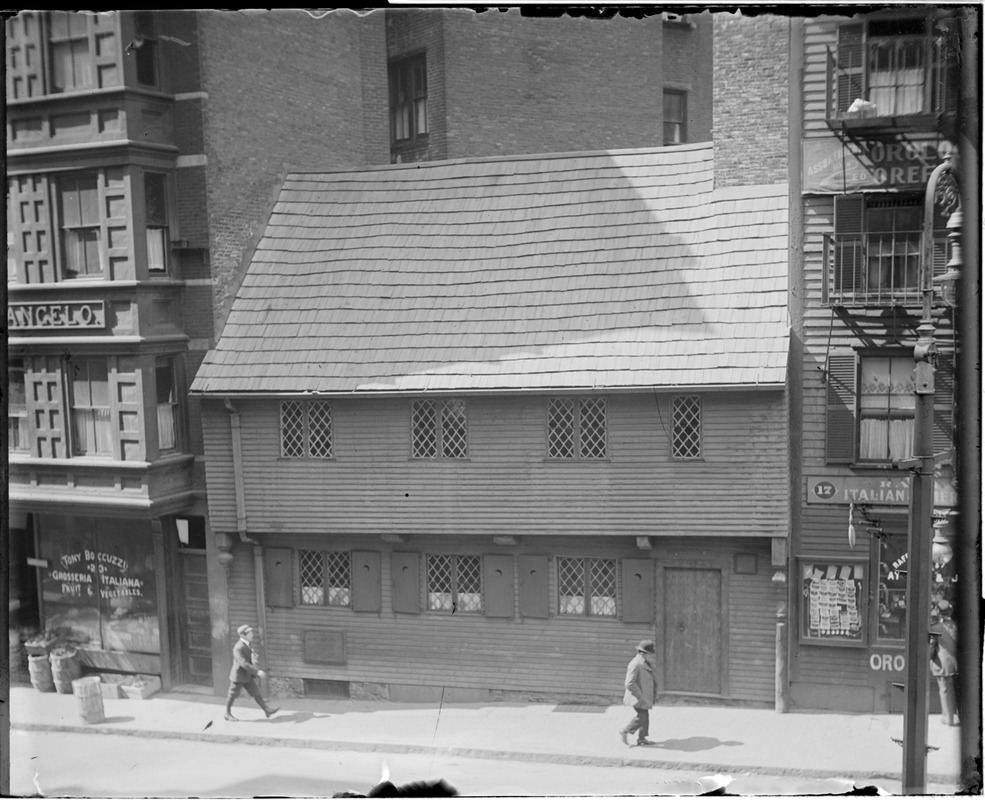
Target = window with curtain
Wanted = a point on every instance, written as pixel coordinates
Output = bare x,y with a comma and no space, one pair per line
81,227
408,99
167,405
91,423
893,233
886,408
454,583
156,218
587,586
897,52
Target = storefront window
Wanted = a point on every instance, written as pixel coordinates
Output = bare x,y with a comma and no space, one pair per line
892,586
100,585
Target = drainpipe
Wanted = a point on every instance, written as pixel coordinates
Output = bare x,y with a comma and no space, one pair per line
238,482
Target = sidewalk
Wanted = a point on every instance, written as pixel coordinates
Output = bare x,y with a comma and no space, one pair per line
725,740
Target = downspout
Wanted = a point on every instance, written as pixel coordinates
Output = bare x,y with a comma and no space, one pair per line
240,486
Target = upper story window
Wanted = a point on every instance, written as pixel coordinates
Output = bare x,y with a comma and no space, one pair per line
439,429
686,437
71,52
408,99
306,429
81,226
888,68
156,219
144,48
16,406
92,432
871,407
874,257
576,428
587,586
675,116
167,404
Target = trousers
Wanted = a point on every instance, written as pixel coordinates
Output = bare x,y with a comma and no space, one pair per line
641,723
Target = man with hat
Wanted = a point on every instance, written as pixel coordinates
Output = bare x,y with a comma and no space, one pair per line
944,662
244,673
641,692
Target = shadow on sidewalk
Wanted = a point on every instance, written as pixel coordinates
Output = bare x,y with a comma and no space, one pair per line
694,743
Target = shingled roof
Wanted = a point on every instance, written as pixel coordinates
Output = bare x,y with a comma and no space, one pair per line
608,270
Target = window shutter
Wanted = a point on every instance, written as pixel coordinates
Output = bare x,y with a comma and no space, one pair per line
944,404
840,430
637,590
405,580
851,65
126,405
367,585
279,573
45,411
497,581
533,586
849,267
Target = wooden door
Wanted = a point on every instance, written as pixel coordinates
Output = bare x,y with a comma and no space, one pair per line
693,635
195,622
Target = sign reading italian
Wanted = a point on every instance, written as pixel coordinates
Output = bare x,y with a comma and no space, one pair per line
833,489
73,314
829,167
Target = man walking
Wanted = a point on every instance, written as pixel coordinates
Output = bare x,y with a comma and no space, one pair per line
641,692
244,673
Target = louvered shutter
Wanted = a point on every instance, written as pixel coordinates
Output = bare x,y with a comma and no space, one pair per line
851,65
840,432
849,263
278,568
944,404
405,580
45,411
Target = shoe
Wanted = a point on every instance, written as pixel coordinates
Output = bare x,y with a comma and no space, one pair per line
230,718
624,736
270,712
645,741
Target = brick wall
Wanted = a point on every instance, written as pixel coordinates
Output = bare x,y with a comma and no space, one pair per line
751,89
284,92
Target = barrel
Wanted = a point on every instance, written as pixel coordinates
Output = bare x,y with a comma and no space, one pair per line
40,670
65,668
90,697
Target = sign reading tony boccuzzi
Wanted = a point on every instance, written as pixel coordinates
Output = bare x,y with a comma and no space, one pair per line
873,491
832,167
100,583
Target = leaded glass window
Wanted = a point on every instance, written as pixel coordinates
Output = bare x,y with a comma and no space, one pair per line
687,427
454,583
439,428
586,586
576,428
306,429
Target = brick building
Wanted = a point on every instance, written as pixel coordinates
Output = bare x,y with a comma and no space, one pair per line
145,151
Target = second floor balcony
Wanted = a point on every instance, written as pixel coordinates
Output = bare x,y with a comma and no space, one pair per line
877,269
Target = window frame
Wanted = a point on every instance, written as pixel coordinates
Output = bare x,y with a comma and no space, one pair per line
15,366
170,363
578,443
306,430
159,222
146,51
328,573
886,414
408,95
454,582
895,529
77,439
588,597
439,407
64,226
55,41
680,125
674,445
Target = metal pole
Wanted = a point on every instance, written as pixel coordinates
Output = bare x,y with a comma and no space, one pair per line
918,576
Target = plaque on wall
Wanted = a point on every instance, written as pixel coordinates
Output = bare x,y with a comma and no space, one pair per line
324,647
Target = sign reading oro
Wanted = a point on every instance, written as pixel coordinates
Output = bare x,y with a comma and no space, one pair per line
72,315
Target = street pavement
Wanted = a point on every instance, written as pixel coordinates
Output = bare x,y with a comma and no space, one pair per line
859,749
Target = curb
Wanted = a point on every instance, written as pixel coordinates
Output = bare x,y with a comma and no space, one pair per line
465,752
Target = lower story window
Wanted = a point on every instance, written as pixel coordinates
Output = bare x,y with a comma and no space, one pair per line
587,586
454,583
325,578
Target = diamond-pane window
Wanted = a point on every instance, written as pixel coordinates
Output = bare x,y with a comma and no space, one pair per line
687,427
292,429
587,586
312,568
576,429
592,428
454,583
339,579
306,429
439,428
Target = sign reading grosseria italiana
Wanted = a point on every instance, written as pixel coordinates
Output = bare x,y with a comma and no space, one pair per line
73,314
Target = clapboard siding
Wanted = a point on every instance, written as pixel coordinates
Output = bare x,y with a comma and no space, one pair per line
507,485
819,34
585,656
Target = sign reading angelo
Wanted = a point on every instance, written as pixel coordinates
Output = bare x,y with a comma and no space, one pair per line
47,316
831,167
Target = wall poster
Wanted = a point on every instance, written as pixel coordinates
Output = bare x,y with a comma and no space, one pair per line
100,583
833,601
